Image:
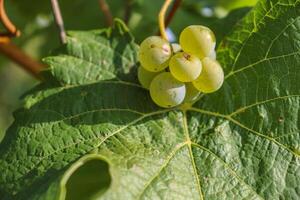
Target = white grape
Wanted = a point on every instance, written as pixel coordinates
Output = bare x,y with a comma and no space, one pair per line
176,47
166,91
191,94
145,77
213,55
154,53
197,40
185,67
211,77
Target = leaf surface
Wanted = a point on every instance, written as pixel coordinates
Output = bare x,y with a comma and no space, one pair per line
241,142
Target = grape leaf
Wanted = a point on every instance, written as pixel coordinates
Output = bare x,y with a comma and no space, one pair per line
242,142
233,4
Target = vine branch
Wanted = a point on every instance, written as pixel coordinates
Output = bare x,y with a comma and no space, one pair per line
9,26
13,52
18,56
128,10
106,11
59,21
171,14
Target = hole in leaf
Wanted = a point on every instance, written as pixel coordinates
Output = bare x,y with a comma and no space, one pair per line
89,181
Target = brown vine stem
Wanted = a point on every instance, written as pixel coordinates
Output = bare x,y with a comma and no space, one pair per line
161,19
106,11
59,21
13,52
9,26
172,12
128,10
170,15
18,56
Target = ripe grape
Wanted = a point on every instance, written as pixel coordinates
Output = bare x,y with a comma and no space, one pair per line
191,94
211,77
166,91
154,53
185,67
197,40
176,47
213,55
145,77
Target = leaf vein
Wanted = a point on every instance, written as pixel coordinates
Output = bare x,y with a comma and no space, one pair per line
196,173
97,43
232,171
165,164
251,32
246,128
276,38
242,109
98,145
260,61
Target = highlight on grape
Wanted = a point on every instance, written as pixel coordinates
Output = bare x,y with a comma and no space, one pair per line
178,73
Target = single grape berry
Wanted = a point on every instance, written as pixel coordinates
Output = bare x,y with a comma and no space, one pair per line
154,53
145,77
213,55
176,47
166,91
211,77
197,40
185,67
191,94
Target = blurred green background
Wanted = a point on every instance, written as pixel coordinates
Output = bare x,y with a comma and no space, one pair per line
39,33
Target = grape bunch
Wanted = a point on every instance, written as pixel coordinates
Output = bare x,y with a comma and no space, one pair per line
178,73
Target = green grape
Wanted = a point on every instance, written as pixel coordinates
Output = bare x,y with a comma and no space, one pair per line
154,53
185,67
191,93
211,77
145,77
166,91
213,55
176,47
197,40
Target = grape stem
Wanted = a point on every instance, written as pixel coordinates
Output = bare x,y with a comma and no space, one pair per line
12,51
12,31
22,59
104,7
161,19
128,11
59,21
172,12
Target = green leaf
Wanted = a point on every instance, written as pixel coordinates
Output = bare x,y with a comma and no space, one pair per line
233,4
92,56
224,26
241,142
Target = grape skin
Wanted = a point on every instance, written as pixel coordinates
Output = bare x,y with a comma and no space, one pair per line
145,77
211,77
185,67
213,55
197,40
176,47
191,94
166,91
155,53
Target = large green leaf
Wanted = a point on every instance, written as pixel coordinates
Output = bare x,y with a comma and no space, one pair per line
242,142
